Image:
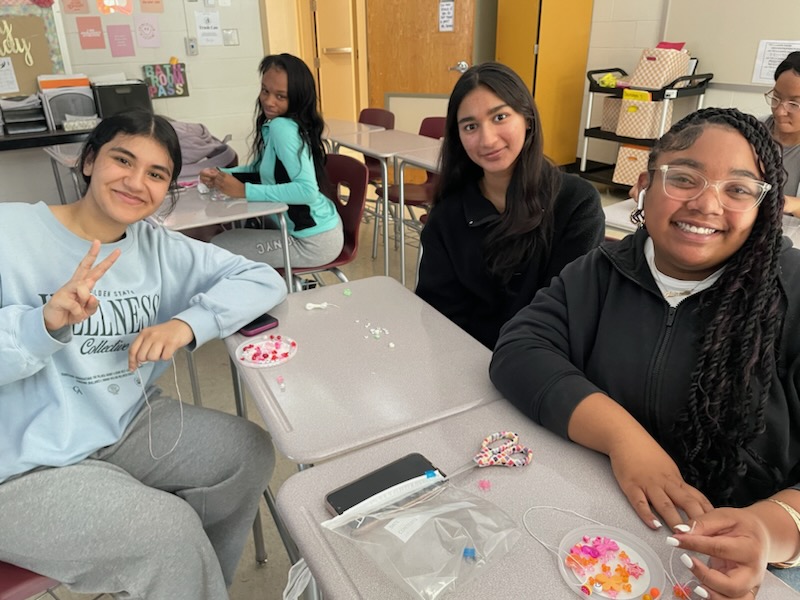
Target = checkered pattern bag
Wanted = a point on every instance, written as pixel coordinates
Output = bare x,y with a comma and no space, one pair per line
611,107
631,161
638,119
659,66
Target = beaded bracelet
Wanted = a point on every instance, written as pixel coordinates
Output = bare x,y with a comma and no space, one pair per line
794,562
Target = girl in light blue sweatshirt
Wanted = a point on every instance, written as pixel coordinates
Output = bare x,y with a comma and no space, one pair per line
105,484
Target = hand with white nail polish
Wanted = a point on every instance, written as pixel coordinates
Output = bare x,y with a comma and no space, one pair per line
736,542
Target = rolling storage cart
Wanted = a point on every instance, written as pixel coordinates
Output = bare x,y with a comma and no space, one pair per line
687,85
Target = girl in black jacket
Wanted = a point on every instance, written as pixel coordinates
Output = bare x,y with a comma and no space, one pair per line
505,220
674,352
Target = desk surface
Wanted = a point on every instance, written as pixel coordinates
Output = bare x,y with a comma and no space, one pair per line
424,158
19,141
335,127
562,474
345,388
618,221
196,210
385,143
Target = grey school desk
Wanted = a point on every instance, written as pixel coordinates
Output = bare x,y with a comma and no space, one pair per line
384,145
618,221
346,388
562,474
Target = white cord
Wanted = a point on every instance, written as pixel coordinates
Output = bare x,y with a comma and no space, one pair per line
312,306
150,413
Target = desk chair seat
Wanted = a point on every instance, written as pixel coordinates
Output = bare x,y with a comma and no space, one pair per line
342,171
17,583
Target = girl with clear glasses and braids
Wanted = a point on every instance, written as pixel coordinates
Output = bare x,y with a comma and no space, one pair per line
674,351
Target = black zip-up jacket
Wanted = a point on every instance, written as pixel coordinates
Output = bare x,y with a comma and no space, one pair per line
603,326
453,277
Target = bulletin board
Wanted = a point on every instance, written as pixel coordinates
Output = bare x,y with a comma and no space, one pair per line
29,38
724,34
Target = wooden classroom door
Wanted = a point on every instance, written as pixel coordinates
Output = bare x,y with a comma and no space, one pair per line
336,54
406,52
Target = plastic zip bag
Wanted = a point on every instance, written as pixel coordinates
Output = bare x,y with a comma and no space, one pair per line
427,535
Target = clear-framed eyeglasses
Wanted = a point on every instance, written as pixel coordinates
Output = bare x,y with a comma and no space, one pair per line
774,102
739,194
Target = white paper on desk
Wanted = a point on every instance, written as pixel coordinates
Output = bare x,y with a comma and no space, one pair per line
8,79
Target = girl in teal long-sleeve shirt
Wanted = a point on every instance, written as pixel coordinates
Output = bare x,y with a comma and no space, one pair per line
287,166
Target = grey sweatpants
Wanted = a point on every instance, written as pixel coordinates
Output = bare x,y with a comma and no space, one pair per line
122,523
266,246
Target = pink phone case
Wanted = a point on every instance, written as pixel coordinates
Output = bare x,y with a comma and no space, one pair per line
259,325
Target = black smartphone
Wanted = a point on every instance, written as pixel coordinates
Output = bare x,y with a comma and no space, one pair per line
259,324
403,469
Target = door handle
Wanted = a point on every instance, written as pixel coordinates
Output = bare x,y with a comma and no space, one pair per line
337,50
461,66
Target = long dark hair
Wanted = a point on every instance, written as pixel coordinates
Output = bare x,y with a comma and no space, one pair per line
527,222
302,110
135,122
737,355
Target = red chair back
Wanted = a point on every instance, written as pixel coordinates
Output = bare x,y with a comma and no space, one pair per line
352,173
17,583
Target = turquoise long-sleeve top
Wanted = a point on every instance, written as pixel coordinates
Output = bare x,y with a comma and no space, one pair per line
310,211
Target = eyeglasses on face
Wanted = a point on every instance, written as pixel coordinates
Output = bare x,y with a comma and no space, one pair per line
685,184
775,102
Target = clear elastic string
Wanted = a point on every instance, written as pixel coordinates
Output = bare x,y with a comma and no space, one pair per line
150,413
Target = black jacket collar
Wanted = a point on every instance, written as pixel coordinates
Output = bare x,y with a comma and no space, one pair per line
478,210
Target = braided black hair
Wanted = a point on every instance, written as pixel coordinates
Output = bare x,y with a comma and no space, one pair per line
743,315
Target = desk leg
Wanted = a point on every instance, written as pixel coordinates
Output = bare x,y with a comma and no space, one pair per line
198,400
57,176
385,181
287,267
401,209
241,410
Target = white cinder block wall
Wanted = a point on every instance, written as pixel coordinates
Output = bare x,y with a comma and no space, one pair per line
621,29
223,80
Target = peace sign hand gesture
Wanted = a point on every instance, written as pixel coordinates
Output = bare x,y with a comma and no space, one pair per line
74,302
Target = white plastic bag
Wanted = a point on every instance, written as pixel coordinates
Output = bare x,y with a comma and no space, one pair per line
428,535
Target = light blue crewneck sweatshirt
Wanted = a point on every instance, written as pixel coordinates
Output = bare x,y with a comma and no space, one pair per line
65,394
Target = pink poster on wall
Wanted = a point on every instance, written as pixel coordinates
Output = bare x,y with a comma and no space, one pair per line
90,32
120,40
76,6
151,6
148,34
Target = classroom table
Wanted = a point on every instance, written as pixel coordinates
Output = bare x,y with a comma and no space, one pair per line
194,209
336,127
384,145
376,363
562,475
618,221
424,158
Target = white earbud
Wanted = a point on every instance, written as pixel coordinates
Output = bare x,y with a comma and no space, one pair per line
312,306
640,200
